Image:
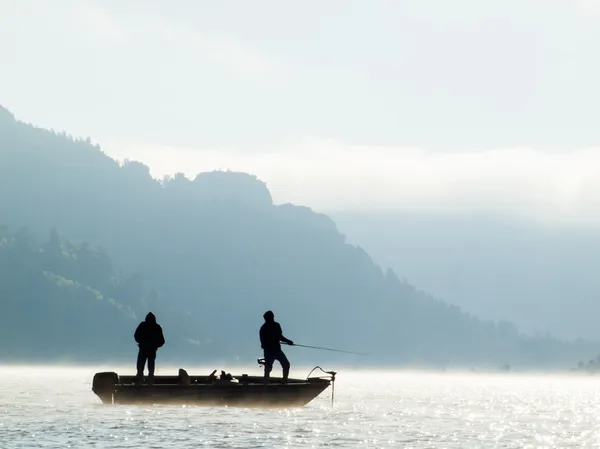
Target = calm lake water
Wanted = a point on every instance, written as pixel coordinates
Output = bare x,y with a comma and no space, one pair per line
55,408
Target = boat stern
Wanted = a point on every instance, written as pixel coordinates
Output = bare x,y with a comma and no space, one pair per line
103,386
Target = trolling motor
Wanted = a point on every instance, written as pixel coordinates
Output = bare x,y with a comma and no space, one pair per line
331,377
332,374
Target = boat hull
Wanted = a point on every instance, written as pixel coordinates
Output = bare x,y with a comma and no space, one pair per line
242,391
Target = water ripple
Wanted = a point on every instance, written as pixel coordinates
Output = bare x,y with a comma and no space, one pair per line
372,410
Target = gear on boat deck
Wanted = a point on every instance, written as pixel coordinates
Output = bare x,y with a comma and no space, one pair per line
224,390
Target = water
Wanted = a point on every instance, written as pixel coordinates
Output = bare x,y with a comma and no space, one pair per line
55,408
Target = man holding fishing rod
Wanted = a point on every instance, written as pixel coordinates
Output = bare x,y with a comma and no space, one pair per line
271,337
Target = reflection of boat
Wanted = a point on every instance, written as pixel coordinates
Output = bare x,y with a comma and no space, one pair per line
225,390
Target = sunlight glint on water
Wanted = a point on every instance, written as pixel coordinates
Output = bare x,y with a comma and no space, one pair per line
55,407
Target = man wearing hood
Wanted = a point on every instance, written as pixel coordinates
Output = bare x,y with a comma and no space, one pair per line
270,337
149,337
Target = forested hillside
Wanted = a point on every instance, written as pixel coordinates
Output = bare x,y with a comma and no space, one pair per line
65,301
213,253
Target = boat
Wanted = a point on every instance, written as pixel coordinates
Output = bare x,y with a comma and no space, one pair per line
212,390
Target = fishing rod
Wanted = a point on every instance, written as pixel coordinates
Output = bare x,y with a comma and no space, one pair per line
328,349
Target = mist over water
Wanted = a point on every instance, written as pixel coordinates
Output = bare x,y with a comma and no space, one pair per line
55,407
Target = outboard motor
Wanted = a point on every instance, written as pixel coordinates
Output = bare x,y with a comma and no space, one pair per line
104,386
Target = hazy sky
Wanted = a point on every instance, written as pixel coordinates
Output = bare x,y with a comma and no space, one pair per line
436,105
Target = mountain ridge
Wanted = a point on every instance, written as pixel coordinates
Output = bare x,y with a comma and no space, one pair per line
218,251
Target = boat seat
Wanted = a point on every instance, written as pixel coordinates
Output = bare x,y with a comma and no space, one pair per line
184,377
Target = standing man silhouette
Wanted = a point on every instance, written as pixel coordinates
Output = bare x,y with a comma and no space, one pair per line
149,337
270,337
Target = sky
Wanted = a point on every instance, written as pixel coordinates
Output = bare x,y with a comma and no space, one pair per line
416,105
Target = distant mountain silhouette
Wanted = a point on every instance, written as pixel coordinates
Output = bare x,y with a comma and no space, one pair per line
540,277
212,254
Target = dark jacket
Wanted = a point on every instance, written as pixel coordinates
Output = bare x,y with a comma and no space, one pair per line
271,336
149,334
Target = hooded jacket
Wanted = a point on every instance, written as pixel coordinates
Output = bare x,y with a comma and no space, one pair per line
271,334
149,334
